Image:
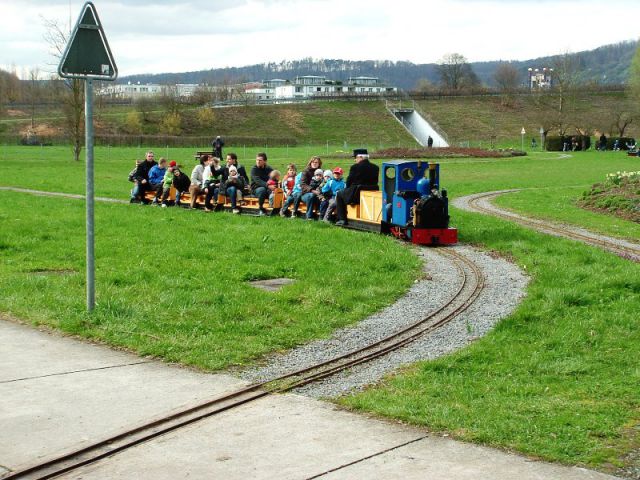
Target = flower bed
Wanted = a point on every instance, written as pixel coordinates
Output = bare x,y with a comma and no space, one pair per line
449,152
619,195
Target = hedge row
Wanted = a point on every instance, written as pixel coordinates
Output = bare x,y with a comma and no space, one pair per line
556,144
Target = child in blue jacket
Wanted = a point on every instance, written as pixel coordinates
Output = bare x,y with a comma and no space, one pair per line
331,188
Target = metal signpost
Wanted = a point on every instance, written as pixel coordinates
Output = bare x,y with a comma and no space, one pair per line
88,57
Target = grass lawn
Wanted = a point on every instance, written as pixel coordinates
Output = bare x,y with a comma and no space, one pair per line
173,283
558,379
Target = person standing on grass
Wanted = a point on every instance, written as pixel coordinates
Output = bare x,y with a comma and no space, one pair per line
363,175
197,179
259,178
141,178
217,144
156,179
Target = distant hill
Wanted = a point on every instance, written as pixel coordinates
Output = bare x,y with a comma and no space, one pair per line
608,64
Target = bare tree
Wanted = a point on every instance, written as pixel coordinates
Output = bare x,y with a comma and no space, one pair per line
423,85
451,70
72,96
34,93
507,80
564,80
456,74
9,86
202,95
634,84
145,106
621,121
170,100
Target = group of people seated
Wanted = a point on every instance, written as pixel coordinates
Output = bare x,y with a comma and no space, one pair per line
324,192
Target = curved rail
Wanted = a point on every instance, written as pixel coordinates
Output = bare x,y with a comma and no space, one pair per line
472,284
624,249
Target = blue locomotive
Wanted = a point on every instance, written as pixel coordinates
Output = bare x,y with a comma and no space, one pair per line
413,205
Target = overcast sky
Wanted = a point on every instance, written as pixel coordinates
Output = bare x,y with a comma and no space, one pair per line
171,36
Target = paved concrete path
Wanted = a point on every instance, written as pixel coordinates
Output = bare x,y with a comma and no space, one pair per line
57,394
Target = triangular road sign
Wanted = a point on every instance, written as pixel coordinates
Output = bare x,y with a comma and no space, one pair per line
87,54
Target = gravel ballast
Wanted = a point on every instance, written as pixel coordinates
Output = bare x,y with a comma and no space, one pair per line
504,288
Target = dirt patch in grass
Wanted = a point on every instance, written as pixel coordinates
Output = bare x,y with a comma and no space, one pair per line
41,129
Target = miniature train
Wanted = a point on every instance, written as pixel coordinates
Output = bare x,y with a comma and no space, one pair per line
411,205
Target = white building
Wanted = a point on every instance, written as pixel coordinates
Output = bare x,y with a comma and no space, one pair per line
131,90
186,89
540,79
308,86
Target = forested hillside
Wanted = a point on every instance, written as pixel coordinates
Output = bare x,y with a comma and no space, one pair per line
604,65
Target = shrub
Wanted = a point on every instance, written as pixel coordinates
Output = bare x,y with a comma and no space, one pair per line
206,117
622,142
172,124
133,123
555,143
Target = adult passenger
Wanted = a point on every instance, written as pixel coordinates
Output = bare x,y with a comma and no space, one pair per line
141,178
197,179
232,191
363,175
156,179
259,178
309,193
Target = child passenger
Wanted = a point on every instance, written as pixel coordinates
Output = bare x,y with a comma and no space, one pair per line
293,198
332,187
324,197
272,184
289,180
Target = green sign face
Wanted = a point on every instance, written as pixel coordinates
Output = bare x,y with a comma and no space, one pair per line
88,55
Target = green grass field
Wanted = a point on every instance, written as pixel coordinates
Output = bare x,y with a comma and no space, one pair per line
173,283
557,379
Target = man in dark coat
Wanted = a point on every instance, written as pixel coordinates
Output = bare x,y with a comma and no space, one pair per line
259,178
363,175
217,145
141,178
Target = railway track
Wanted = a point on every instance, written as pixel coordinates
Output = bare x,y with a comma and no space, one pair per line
469,288
482,203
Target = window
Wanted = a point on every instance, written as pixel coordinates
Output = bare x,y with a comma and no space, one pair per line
407,174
